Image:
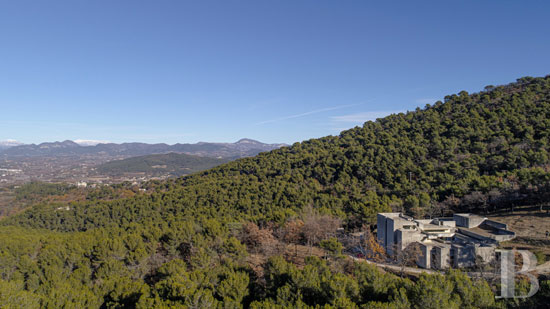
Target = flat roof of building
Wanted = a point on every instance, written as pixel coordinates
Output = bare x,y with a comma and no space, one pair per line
390,214
469,215
483,230
435,227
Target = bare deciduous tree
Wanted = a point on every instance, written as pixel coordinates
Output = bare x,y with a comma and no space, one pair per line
406,256
259,240
318,227
451,203
474,199
292,233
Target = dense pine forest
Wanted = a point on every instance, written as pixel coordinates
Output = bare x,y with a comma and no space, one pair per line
218,238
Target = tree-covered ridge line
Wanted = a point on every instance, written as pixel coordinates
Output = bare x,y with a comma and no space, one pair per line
470,153
177,164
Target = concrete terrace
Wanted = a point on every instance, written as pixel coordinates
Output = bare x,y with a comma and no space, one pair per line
444,242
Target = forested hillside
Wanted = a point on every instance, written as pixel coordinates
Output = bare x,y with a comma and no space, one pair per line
176,164
183,244
470,153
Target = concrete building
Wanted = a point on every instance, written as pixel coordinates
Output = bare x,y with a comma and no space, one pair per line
459,241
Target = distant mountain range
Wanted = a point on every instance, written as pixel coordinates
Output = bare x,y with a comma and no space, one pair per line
242,148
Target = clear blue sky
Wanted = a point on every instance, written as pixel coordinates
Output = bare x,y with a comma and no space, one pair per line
276,71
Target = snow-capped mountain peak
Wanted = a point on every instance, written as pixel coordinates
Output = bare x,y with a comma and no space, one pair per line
10,143
89,142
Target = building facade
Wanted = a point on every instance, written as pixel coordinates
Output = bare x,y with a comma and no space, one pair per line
457,242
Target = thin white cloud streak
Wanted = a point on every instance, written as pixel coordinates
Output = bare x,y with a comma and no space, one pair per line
362,117
317,111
